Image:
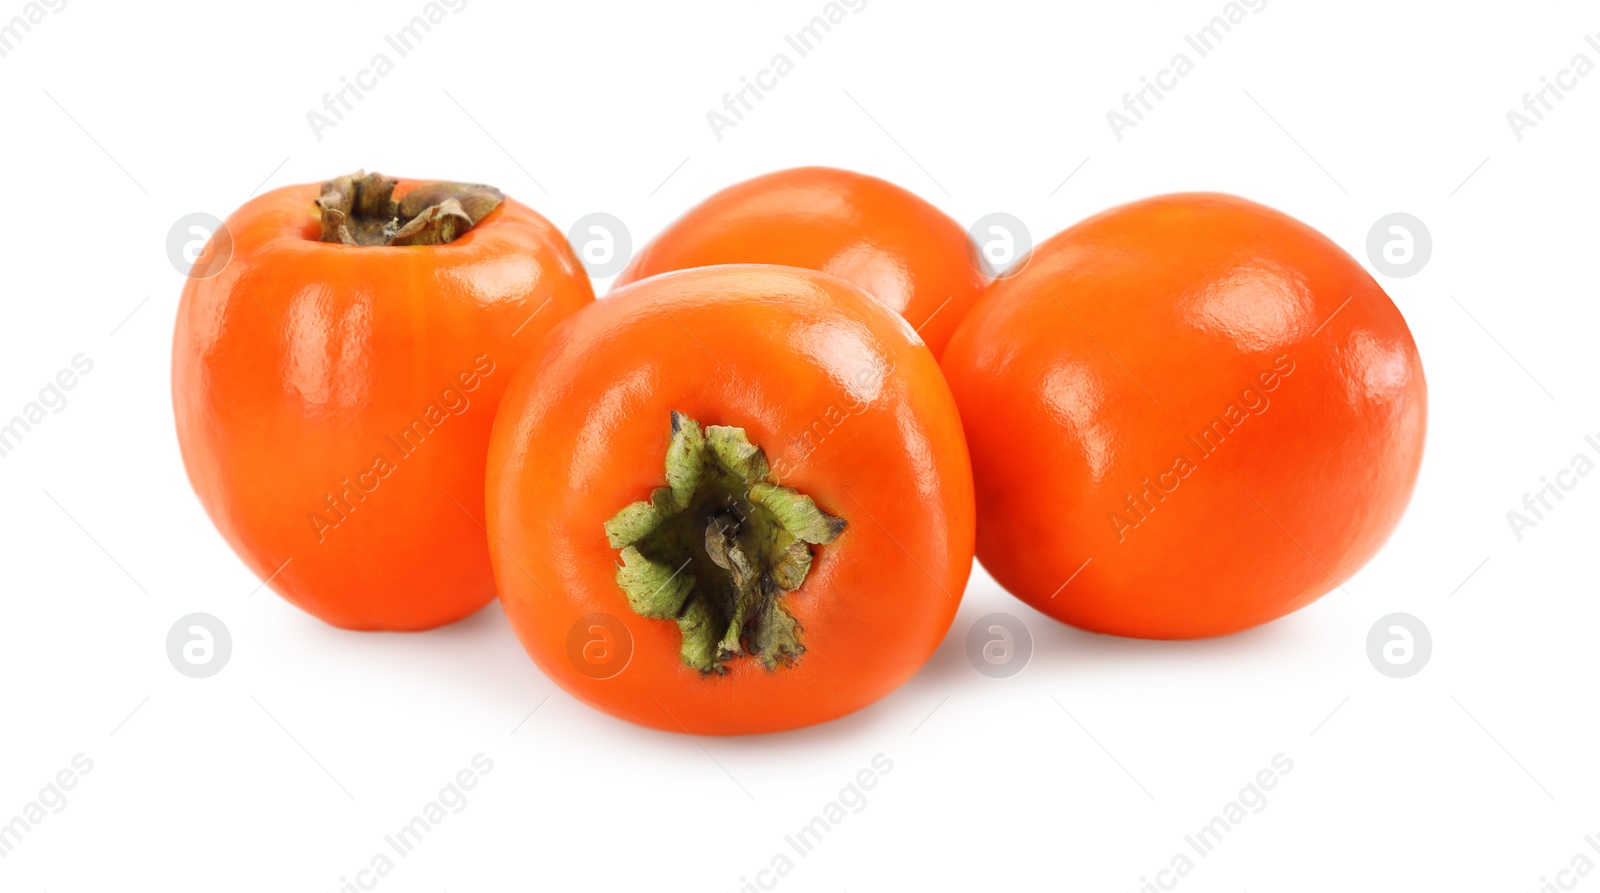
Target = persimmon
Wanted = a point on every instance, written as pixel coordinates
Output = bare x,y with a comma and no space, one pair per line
728,500
900,249
1188,416
335,383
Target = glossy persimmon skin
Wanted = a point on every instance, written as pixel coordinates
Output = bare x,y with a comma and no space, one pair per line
849,409
302,363
1104,362
902,250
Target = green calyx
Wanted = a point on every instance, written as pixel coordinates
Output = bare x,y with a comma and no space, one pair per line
717,548
359,209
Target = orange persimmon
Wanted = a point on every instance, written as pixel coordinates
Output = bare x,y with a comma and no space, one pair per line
1188,416
731,499
335,383
900,249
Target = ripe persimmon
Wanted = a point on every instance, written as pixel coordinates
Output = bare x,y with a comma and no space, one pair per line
903,251
1188,416
731,499
336,380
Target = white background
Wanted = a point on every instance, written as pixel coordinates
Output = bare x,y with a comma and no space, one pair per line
1085,771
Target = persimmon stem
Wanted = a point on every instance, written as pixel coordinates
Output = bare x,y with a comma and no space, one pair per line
718,548
359,209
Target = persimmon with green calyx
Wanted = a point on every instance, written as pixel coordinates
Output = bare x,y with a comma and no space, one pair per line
729,500
1188,416
904,252
335,381
749,535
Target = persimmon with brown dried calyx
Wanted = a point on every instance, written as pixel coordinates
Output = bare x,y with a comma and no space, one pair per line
335,381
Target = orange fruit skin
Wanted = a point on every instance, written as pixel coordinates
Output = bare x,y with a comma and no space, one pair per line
302,363
902,250
849,409
1088,383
